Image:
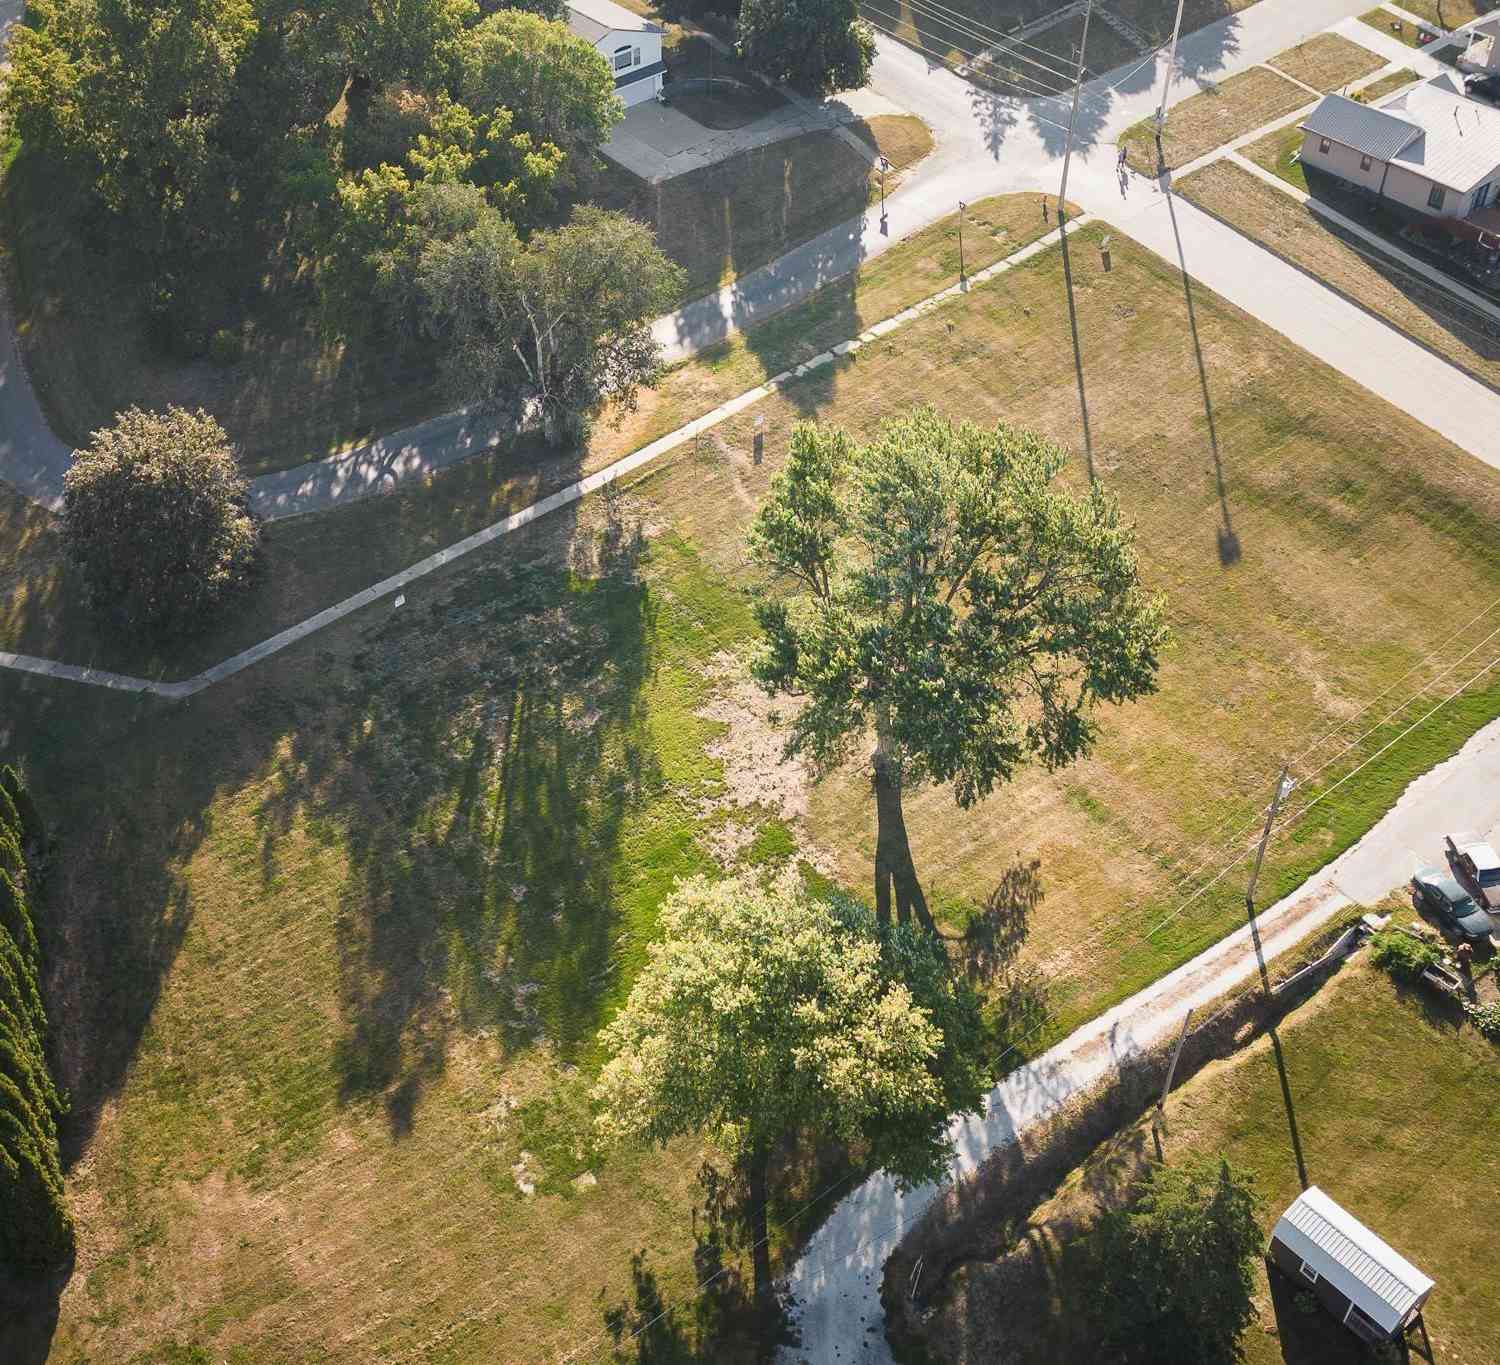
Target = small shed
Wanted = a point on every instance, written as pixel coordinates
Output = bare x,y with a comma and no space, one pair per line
1371,1288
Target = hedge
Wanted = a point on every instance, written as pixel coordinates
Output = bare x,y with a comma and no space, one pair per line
36,1231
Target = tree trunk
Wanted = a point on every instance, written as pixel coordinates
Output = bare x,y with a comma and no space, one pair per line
894,869
757,1164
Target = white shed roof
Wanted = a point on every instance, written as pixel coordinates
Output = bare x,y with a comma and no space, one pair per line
592,19
1378,1280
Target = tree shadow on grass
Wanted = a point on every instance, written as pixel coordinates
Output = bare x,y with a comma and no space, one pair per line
716,1320
484,774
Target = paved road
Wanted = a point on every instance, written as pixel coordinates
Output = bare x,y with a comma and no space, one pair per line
837,1280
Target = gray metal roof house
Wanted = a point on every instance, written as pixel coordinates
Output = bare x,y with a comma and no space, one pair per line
1428,147
1371,1288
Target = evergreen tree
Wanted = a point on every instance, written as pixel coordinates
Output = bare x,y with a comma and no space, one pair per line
36,1231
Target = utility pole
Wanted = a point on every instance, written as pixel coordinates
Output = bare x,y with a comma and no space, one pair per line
885,165
1159,1122
962,277
1062,194
1284,785
1166,85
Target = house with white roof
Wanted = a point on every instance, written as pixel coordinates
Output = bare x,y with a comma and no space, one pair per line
1369,1286
1429,148
630,44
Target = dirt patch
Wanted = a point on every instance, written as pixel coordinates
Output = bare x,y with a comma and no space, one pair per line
758,774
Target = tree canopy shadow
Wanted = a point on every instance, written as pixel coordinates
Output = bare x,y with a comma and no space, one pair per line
493,750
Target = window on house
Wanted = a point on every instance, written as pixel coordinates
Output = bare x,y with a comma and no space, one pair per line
1435,197
623,60
1481,196
1364,163
1324,145
1309,1274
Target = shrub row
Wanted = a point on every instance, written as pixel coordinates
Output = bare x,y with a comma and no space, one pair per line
36,1232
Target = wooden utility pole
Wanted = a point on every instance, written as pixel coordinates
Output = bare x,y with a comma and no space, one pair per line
1062,194
1166,85
1159,1122
1284,785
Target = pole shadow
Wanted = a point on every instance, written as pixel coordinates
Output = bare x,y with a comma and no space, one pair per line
1229,547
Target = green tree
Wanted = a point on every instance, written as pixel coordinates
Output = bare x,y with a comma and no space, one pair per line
765,1013
156,519
1174,1274
952,602
563,322
134,90
815,45
36,1231
558,89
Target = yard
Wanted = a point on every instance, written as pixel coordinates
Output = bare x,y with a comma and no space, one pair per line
339,933
1395,1103
1214,116
1422,310
1448,14
1327,62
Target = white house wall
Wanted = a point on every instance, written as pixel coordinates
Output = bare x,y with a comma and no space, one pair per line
1341,161
637,92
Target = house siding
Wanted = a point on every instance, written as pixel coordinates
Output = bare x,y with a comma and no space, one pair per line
638,83
1341,161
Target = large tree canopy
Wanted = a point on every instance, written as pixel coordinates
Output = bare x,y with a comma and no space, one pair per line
816,45
155,516
953,603
563,321
765,1012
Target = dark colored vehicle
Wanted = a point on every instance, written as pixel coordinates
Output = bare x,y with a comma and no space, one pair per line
1477,867
1484,87
1451,905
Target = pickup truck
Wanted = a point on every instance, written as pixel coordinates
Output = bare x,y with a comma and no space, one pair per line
1477,867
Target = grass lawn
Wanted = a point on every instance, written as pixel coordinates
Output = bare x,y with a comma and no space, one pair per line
1214,116
963,31
1395,1104
1155,17
1448,14
336,934
1420,309
1386,85
1278,152
1393,26
1327,62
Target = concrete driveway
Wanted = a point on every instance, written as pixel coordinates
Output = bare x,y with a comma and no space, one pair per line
657,141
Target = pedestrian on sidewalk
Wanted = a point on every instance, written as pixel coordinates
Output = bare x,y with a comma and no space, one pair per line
1120,164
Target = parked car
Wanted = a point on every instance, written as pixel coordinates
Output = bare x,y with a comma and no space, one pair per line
1477,867
1451,905
1483,87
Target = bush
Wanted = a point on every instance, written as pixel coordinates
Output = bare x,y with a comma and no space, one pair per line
156,518
36,1231
1403,956
174,325
1486,1018
227,347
